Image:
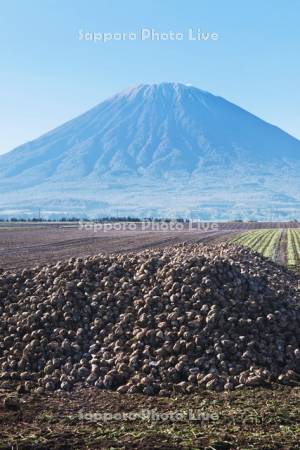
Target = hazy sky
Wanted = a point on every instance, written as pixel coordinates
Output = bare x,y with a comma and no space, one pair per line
48,75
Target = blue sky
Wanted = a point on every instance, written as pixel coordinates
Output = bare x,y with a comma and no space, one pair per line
49,76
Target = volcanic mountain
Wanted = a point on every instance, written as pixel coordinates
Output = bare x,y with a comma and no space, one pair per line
164,149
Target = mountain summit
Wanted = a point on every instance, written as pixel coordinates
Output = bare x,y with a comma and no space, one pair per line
162,147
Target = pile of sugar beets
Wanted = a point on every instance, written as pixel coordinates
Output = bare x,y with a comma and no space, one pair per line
161,321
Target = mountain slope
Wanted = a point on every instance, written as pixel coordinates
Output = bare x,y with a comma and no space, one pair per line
139,148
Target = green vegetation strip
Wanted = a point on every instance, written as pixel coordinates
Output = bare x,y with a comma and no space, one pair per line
264,242
293,244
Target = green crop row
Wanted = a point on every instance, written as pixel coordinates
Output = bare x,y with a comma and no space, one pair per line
268,244
264,242
249,239
293,247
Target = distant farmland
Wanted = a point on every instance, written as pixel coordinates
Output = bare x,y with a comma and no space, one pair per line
26,244
282,246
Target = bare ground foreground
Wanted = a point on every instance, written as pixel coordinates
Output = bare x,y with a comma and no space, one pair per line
252,419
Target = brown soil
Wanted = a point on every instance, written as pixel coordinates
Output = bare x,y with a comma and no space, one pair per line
29,244
252,419
281,256
32,246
